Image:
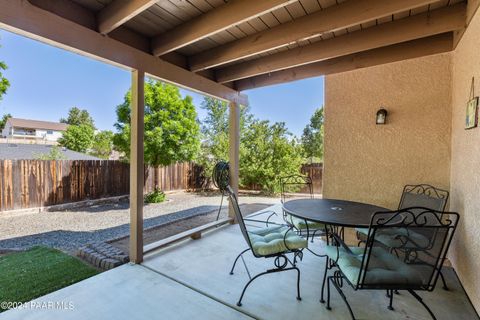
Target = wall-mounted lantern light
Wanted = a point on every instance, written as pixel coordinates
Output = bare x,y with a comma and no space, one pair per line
381,116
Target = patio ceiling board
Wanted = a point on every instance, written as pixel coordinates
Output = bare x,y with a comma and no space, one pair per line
173,20
334,18
398,52
93,5
252,26
310,6
296,10
414,27
148,24
214,21
118,12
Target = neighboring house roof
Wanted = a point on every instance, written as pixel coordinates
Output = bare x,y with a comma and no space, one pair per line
11,151
36,124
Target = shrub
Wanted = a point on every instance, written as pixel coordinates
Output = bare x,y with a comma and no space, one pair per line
156,196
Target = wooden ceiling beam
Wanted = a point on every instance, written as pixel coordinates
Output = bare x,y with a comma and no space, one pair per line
420,26
120,11
346,14
214,21
407,50
24,18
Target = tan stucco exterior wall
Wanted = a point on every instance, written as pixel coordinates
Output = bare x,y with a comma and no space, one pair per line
424,141
465,169
371,163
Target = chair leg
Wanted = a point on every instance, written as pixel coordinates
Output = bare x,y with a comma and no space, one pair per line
315,233
236,259
445,287
419,299
239,303
322,300
332,279
299,298
390,295
328,294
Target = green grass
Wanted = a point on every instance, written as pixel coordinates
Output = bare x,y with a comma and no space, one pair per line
30,274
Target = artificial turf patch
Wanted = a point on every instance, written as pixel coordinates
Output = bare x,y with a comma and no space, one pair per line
33,273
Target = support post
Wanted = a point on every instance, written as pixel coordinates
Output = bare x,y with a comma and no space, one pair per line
234,152
136,166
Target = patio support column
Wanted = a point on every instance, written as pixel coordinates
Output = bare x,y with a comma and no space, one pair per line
234,152
136,167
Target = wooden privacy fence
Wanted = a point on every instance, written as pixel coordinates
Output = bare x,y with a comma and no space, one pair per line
39,183
315,172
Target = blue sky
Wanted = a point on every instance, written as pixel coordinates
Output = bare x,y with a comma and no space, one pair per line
47,81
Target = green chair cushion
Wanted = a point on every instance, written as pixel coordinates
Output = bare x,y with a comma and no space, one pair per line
393,237
268,241
384,268
301,224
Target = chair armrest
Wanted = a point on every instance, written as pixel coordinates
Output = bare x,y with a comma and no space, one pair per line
271,212
266,222
340,242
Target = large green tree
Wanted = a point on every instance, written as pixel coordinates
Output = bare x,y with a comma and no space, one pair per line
312,137
215,142
272,152
103,145
80,133
267,150
77,116
78,138
171,127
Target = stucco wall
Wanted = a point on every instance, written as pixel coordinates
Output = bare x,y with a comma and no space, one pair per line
372,163
465,169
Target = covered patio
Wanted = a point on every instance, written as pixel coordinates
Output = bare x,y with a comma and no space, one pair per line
417,59
191,280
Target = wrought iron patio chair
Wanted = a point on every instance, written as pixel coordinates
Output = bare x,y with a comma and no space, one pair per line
422,248
295,183
422,195
272,242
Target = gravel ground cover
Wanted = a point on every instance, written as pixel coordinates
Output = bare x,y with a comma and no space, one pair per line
68,230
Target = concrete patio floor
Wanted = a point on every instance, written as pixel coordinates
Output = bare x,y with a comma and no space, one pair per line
190,280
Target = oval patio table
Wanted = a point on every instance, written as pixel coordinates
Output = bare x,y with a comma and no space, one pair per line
339,213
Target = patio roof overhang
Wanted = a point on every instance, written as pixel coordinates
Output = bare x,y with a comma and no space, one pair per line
201,44
221,47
